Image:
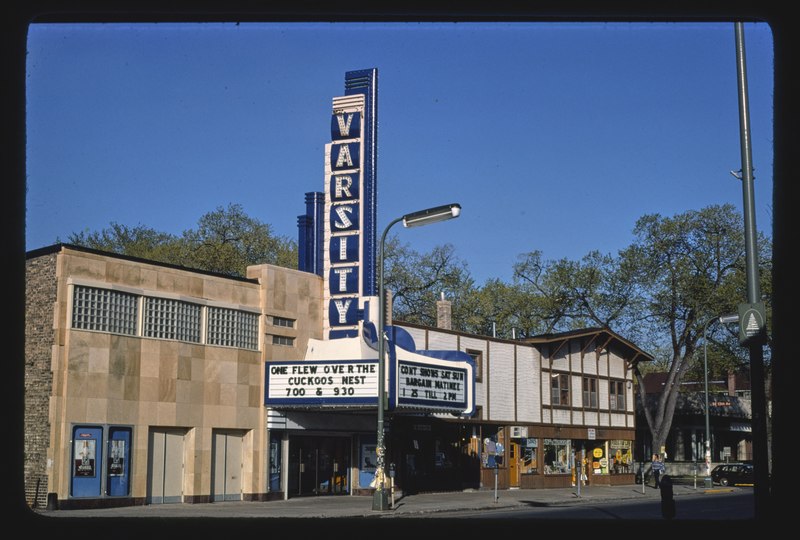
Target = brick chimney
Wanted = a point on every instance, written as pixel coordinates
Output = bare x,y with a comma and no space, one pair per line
444,312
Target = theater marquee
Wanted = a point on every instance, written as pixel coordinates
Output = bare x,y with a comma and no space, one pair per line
322,383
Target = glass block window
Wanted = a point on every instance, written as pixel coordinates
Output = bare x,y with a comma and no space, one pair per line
171,319
232,328
104,310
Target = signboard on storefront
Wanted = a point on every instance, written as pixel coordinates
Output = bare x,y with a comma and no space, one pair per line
431,386
322,383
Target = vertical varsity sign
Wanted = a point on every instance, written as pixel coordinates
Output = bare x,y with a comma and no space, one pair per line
350,208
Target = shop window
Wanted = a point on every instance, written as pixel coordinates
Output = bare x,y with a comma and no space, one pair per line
590,392
557,455
528,462
620,457
559,389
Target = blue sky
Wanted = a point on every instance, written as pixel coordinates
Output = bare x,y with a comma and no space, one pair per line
552,136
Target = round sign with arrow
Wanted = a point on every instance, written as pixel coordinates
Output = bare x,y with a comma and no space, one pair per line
752,323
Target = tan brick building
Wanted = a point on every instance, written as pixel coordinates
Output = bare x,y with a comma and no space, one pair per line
172,357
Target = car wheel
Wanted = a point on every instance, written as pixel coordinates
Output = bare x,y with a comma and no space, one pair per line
723,481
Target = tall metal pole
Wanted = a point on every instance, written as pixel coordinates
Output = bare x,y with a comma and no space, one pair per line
380,499
758,394
707,480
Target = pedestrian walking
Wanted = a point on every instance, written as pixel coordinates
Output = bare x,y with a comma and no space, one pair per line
658,468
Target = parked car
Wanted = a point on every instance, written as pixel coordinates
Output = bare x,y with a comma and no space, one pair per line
730,474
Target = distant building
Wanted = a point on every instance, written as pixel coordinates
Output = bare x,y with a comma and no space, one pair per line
730,420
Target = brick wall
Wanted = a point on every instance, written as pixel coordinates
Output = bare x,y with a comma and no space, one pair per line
40,297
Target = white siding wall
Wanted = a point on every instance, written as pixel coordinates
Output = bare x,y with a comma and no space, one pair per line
590,364
545,386
630,406
561,362
617,367
603,365
527,385
618,420
576,390
439,341
418,335
480,387
501,380
602,394
561,416
520,400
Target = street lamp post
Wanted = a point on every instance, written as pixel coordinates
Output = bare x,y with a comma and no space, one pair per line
724,319
380,499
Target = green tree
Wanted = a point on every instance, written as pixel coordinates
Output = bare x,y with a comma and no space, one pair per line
688,270
659,292
226,241
138,241
598,290
417,281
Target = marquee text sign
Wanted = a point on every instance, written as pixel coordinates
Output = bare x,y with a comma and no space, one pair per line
325,382
431,386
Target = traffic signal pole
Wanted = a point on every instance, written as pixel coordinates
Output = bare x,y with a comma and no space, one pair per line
754,338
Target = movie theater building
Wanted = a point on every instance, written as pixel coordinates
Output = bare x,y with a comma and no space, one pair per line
147,383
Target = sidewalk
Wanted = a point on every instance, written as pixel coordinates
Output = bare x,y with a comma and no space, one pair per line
346,506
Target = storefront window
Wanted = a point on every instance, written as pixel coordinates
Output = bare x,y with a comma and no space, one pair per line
621,457
557,453
528,462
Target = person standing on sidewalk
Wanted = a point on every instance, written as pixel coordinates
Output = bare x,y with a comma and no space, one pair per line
658,469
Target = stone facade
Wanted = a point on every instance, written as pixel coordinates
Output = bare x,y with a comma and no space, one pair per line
81,377
40,299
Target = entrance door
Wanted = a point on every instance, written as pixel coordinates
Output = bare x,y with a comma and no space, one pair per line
331,466
165,466
87,458
227,466
318,465
513,464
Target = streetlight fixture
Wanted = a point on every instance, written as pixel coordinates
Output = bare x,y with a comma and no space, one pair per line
380,499
724,319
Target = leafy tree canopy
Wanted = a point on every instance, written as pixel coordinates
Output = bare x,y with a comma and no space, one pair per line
225,241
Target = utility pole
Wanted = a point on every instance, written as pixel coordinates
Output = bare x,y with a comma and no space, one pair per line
752,321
